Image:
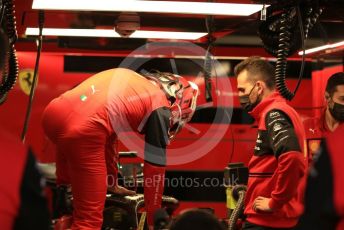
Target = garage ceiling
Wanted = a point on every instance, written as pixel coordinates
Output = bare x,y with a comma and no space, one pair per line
229,30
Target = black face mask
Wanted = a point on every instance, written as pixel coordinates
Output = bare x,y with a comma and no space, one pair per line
245,101
337,111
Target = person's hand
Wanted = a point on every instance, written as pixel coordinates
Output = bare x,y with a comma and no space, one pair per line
121,191
261,204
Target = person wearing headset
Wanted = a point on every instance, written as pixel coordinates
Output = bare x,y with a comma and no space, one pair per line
85,122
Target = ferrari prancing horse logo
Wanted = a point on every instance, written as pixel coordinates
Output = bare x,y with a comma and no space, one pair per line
26,80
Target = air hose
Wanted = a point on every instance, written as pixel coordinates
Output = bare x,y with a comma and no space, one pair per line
207,74
281,38
208,58
282,53
10,69
284,48
238,193
311,20
34,81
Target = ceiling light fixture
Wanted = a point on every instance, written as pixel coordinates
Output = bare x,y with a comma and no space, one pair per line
324,47
113,34
176,7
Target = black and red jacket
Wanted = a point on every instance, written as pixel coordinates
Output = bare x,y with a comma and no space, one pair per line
324,201
278,167
22,204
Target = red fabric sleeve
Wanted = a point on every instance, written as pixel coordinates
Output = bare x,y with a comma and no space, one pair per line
290,170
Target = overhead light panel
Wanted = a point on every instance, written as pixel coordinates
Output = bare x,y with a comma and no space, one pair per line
176,7
321,48
113,34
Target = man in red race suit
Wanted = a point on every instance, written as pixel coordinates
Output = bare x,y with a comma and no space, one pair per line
277,169
324,201
85,121
332,115
22,204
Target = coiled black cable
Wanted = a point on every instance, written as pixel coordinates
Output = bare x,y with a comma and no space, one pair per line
207,74
4,47
311,20
281,38
238,193
10,76
282,53
269,31
10,21
2,12
284,49
10,73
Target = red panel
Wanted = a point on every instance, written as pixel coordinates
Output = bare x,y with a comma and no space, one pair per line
207,150
53,81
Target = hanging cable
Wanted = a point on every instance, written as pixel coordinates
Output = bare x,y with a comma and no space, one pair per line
284,48
282,53
209,22
34,81
10,68
313,15
4,52
2,11
282,38
238,193
303,37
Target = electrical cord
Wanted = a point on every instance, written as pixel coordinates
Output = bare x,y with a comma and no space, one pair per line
209,23
282,53
34,81
2,11
310,22
238,193
207,74
303,50
281,38
10,68
284,46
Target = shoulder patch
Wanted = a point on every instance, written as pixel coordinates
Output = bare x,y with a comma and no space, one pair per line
274,114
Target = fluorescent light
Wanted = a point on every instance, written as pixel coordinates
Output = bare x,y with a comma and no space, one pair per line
324,47
73,32
113,34
206,8
316,49
167,35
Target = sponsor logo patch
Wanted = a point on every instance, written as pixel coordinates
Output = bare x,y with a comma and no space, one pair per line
274,114
277,127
